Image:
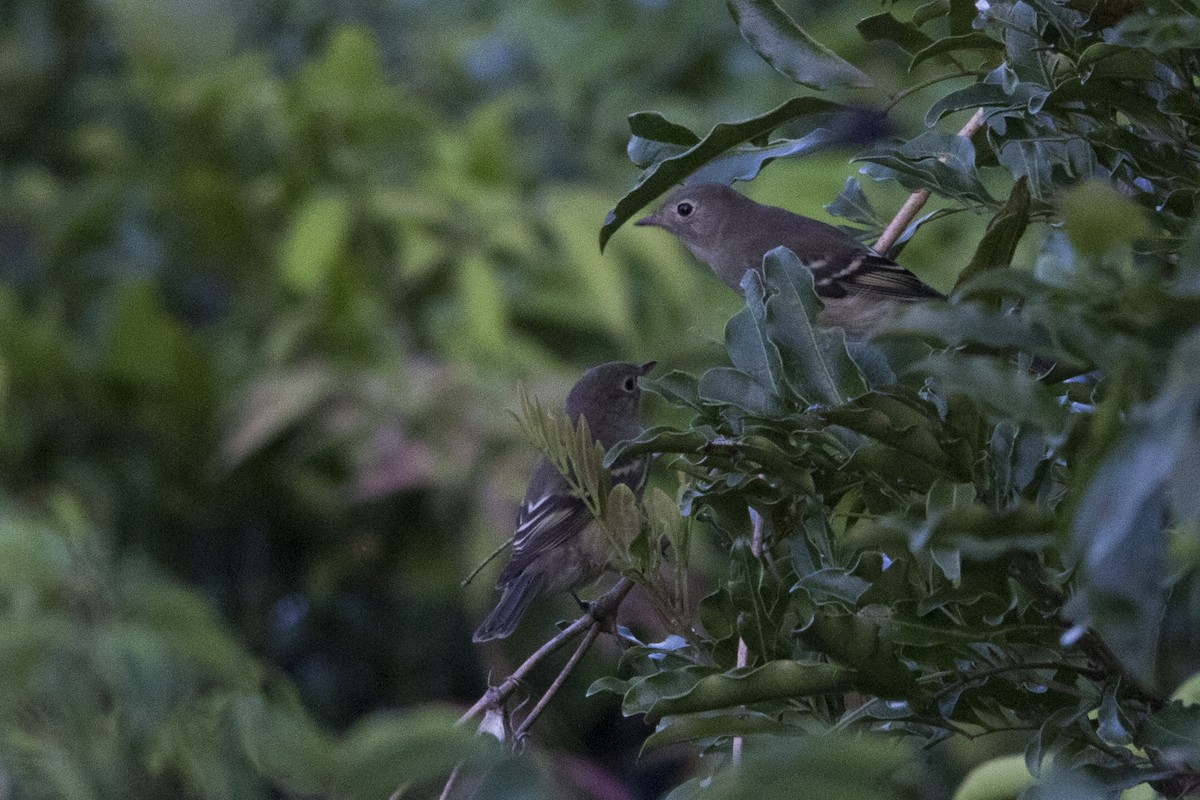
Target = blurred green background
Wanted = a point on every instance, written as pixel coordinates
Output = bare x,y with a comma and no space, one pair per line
271,276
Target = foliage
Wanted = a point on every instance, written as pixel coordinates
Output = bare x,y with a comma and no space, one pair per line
268,276
954,545
119,683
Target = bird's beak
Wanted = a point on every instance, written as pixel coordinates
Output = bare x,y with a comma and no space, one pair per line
644,368
650,221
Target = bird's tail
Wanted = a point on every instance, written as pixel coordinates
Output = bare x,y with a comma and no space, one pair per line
518,594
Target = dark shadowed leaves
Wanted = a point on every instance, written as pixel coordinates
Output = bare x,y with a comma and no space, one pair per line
975,40
885,27
852,204
1175,732
789,49
1003,234
1119,527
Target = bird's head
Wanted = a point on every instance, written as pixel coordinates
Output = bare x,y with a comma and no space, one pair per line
695,214
608,395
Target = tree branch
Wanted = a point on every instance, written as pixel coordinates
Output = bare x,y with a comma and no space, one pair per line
601,612
532,716
916,200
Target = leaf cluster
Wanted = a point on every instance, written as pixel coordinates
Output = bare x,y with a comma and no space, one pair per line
983,521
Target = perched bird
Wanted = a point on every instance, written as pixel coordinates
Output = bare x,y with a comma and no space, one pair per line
731,233
557,545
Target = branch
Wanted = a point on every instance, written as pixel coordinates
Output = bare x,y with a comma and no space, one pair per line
601,611
916,200
532,716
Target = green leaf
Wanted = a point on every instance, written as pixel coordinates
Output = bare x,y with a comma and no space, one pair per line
318,237
982,534
711,725
1119,526
1097,218
677,388
1109,725
661,439
654,126
971,323
829,765
999,778
935,160
1174,731
743,163
1040,160
397,752
746,340
655,138
896,422
885,27
722,138
975,40
645,691
833,583
977,95
1003,234
789,49
730,387
962,14
283,742
816,365
621,515
1008,391
852,204
775,680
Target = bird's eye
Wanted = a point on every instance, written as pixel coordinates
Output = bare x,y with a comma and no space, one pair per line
684,209
630,384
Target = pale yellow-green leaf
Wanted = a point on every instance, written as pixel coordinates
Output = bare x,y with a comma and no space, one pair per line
1097,218
420,252
572,217
622,516
1002,778
489,148
316,240
484,312
1189,691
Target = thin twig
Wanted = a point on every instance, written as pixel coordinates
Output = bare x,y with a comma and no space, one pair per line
743,651
533,715
507,544
445,795
916,200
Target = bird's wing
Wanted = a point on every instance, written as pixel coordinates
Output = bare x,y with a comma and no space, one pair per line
550,515
866,272
632,472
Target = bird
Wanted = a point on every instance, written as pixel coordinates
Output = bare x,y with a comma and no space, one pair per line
557,545
858,286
